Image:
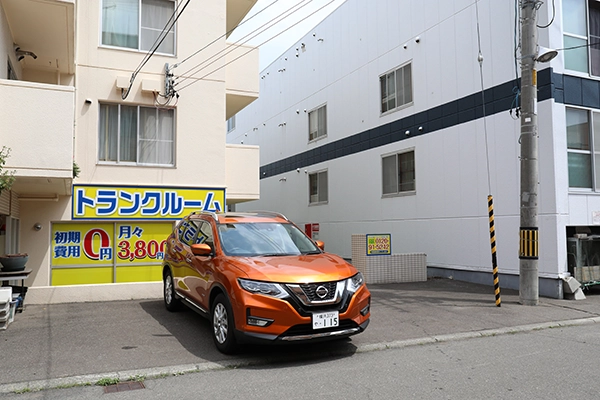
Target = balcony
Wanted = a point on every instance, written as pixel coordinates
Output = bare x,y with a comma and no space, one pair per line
242,163
37,125
236,11
46,29
241,79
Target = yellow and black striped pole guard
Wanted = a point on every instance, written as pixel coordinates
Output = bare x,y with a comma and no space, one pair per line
528,243
493,244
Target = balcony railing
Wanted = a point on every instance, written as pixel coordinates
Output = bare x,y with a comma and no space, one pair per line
37,125
241,78
242,173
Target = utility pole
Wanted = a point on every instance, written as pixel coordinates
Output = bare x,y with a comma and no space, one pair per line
528,248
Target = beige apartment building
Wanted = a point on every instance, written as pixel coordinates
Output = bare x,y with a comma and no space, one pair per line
115,114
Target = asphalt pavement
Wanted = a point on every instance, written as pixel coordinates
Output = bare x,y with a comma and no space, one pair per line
63,345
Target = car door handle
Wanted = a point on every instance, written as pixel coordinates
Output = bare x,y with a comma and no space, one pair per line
188,259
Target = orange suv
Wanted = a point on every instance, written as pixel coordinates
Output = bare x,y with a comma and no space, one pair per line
259,278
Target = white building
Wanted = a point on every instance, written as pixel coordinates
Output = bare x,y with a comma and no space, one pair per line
373,123
77,88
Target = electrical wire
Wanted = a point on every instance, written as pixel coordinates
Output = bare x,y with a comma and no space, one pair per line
553,16
577,47
228,50
252,49
167,104
517,46
246,38
222,36
480,60
159,39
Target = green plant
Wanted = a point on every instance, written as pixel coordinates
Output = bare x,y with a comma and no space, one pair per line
76,170
137,378
7,178
107,381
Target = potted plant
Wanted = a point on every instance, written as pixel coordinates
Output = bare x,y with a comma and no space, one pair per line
14,262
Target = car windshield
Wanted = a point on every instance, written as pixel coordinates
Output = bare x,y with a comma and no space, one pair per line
264,239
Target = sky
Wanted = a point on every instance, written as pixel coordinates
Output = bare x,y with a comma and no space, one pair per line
286,22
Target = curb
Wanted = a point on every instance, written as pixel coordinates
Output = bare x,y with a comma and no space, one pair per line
163,372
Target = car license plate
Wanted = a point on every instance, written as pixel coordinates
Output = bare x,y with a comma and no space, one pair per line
325,320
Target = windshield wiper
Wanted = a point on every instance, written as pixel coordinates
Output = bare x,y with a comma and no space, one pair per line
275,254
312,252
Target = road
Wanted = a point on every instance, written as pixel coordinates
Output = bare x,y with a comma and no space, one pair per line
558,363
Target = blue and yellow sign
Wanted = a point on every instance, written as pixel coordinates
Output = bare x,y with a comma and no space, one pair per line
143,202
379,245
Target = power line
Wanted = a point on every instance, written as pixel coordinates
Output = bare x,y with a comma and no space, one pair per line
253,34
222,36
160,38
266,41
553,16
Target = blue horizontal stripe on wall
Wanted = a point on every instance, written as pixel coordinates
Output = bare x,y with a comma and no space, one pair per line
563,88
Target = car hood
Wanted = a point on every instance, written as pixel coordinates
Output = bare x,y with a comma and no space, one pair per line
296,269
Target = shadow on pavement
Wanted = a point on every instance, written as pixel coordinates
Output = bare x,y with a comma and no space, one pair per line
193,332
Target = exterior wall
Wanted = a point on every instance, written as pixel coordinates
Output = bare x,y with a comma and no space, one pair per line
200,112
36,243
339,63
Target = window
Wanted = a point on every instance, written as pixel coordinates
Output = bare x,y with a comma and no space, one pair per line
317,183
135,134
123,25
317,123
583,148
578,34
398,172
231,124
396,88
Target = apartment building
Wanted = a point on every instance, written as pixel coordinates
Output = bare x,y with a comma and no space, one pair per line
381,120
114,112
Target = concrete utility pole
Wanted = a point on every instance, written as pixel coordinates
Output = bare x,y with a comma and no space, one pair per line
528,249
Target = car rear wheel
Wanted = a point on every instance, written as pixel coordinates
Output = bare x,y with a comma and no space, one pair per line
172,303
223,325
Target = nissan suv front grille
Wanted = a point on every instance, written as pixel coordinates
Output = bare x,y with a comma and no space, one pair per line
317,294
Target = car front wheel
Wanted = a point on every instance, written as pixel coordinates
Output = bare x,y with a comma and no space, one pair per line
222,325
172,303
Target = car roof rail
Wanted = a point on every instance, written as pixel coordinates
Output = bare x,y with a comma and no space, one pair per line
269,214
210,213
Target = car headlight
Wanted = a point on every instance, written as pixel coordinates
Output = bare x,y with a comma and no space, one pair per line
355,282
266,288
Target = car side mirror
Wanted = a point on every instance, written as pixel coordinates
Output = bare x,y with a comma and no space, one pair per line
320,244
201,249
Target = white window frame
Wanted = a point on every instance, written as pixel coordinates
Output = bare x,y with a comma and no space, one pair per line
231,124
318,200
139,139
593,118
397,173
139,31
588,39
320,113
389,102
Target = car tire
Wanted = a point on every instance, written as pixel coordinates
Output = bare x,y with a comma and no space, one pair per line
222,324
172,302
